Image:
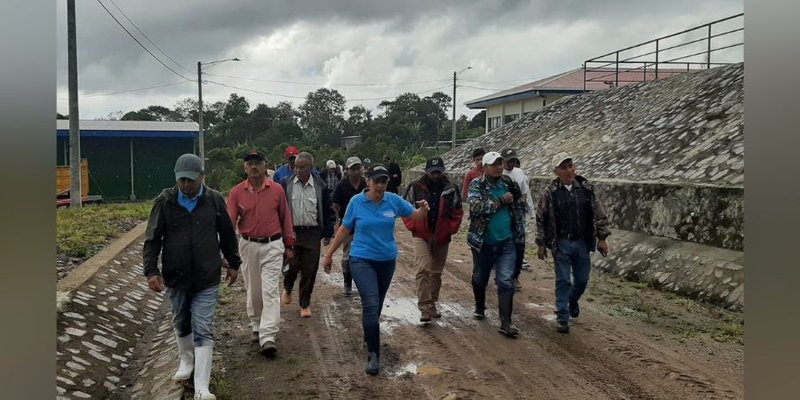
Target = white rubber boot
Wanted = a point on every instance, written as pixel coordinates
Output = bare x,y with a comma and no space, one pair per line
186,354
202,372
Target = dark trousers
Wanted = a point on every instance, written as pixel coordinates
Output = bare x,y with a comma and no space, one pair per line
372,279
306,263
520,258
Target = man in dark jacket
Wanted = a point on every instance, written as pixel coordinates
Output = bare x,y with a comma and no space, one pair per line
431,236
395,174
188,226
313,219
568,220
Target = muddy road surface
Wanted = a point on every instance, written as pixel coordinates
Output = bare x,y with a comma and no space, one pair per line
630,342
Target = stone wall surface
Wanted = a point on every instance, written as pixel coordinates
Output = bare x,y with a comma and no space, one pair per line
114,336
667,160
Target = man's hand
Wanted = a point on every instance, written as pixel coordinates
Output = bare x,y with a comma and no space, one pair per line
542,253
288,256
231,275
327,263
156,283
602,247
326,241
423,204
508,198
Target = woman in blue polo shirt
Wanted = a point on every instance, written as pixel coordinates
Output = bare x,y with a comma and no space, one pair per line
373,254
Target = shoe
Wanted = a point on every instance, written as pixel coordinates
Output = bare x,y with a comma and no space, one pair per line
509,330
255,337
437,314
202,372
562,327
425,316
286,297
268,349
373,366
479,315
348,291
305,312
186,354
480,303
574,309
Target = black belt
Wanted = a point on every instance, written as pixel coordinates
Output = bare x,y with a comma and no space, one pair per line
571,236
262,240
305,228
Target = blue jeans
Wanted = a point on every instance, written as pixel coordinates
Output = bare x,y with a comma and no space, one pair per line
372,279
571,255
502,257
194,313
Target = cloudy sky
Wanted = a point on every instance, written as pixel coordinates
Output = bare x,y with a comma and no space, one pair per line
368,50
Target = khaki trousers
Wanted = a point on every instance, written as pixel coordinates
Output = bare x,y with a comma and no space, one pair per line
261,271
430,262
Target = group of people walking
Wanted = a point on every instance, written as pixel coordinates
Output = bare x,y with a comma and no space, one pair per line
284,221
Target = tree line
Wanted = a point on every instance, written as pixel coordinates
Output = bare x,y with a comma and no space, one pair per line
408,128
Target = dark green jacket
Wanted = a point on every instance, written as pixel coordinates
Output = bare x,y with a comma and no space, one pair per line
596,222
189,243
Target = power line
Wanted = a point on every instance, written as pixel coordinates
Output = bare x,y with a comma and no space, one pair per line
140,43
327,84
131,90
148,38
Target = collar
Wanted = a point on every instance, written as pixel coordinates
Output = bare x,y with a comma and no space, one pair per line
200,193
267,184
365,198
309,182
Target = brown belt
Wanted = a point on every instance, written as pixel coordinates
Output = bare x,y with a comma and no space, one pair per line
262,240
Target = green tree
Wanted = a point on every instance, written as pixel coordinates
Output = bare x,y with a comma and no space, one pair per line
321,117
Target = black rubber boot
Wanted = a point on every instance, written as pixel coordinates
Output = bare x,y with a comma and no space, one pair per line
348,279
480,303
506,300
373,366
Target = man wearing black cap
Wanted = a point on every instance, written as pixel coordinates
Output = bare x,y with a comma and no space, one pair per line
572,223
188,228
431,236
395,174
259,209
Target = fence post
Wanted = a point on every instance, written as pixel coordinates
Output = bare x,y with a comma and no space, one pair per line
616,72
656,59
584,77
708,54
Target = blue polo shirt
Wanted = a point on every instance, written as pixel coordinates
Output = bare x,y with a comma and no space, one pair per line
190,203
374,225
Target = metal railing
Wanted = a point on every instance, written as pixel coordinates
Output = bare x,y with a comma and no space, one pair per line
667,60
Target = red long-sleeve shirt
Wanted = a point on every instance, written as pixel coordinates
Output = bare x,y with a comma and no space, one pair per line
262,212
473,173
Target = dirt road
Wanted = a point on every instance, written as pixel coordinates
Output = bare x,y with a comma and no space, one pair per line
631,342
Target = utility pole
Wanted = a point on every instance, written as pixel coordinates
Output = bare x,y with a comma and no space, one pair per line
74,127
454,104
454,110
201,144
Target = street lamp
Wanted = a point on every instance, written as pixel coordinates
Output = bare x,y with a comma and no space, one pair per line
454,103
201,136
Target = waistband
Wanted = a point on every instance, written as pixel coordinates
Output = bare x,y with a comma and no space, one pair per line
262,240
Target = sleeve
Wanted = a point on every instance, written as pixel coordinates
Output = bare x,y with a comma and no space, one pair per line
600,219
349,220
338,195
457,212
465,186
542,218
227,235
285,218
481,204
232,206
153,239
401,206
328,217
409,196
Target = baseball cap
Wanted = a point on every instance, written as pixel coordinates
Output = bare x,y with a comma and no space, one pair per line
291,151
377,171
352,161
330,164
509,154
254,154
490,157
560,158
188,166
434,164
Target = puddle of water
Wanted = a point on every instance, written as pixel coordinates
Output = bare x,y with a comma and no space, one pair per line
416,369
399,311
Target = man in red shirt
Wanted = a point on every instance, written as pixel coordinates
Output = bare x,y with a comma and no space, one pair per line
475,172
258,207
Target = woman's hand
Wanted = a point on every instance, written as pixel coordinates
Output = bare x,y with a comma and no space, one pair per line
327,263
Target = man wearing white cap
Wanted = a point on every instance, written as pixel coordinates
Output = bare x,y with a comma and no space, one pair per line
571,222
332,175
496,228
188,227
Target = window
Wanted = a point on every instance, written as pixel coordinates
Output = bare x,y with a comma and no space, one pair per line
494,123
510,118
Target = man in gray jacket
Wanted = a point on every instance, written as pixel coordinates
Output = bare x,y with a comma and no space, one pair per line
313,219
188,227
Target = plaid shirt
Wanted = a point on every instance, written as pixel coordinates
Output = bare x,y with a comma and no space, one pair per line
482,205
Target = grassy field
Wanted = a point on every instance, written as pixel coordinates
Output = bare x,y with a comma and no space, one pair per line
80,231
